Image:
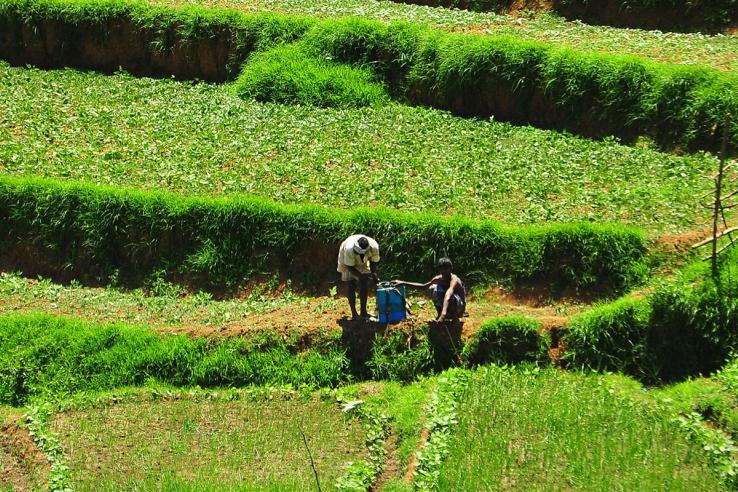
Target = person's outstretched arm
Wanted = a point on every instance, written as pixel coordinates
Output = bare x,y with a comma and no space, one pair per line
416,284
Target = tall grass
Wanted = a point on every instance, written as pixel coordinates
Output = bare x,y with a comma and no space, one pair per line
48,356
193,444
559,430
286,74
686,327
96,233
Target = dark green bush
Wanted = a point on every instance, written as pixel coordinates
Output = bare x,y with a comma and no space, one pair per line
693,331
507,340
400,356
664,14
686,327
287,74
98,233
611,337
43,355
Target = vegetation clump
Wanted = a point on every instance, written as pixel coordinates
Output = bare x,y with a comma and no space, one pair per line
685,327
98,233
287,74
46,356
507,340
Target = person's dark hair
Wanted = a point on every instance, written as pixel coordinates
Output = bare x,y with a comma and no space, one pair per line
363,242
445,263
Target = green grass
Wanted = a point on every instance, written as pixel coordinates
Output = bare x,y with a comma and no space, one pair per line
564,431
43,357
718,51
289,75
192,444
683,327
125,131
160,304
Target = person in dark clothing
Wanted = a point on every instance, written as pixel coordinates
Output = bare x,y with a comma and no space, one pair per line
446,289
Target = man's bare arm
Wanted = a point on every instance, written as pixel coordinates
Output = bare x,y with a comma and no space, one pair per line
416,284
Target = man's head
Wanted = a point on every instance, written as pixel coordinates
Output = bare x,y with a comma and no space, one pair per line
445,266
361,246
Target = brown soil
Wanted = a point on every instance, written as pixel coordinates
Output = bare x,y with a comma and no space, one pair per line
22,465
320,316
519,6
681,244
117,42
413,463
306,319
391,464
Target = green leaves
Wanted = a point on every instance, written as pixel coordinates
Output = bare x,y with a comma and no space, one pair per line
413,159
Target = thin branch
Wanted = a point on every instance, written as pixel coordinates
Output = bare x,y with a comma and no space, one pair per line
730,195
723,248
719,194
713,238
310,455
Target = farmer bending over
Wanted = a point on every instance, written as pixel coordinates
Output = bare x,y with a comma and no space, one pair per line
357,262
447,291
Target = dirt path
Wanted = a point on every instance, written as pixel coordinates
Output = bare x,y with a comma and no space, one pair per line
391,464
412,465
320,316
22,465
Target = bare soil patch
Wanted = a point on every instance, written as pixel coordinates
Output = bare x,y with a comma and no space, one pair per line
413,463
22,465
391,464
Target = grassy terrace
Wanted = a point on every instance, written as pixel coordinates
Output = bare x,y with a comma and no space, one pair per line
169,308
562,431
207,445
720,51
125,131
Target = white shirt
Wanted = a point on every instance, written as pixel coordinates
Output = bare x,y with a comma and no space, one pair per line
347,257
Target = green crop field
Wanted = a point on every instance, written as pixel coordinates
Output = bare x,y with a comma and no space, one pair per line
557,431
719,51
176,177
207,445
125,131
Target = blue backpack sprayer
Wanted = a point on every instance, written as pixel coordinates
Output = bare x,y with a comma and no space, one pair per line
391,303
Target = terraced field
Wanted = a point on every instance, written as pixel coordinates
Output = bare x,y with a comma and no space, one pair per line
718,51
188,444
170,316
124,131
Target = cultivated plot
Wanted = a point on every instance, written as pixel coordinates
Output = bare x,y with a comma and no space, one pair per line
718,51
207,445
560,431
122,130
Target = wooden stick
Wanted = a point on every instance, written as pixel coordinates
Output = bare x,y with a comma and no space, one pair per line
719,193
726,246
711,239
